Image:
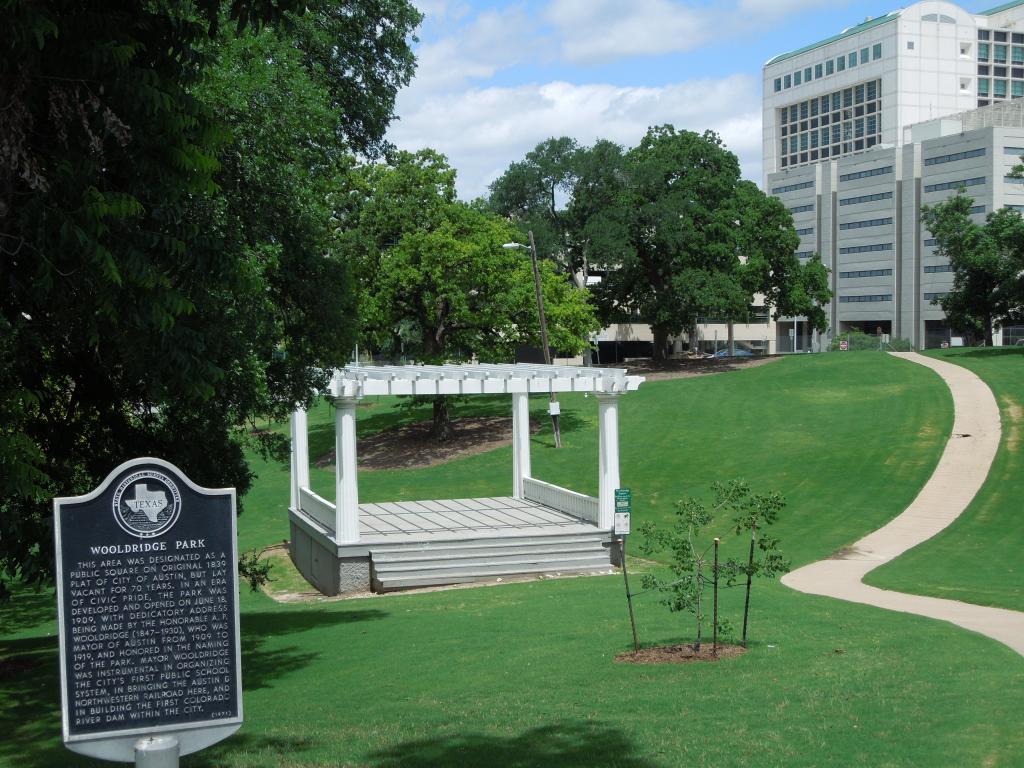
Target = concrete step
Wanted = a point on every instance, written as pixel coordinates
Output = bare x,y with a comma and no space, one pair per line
483,552
392,583
490,543
504,564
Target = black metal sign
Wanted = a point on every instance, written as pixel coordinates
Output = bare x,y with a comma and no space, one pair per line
147,591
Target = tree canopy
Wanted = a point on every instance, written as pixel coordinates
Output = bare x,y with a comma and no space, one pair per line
677,233
170,264
436,284
987,262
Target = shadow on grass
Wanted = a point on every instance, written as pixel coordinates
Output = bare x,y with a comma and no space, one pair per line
28,608
30,717
566,745
993,352
262,666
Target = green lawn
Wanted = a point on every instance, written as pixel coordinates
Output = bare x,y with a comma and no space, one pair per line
522,675
978,558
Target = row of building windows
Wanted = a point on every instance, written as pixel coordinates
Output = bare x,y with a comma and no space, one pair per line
866,174
998,88
938,268
866,273
866,223
831,125
865,198
866,248
933,296
942,186
940,159
1015,151
830,67
870,297
803,254
997,53
801,208
792,187
929,242
1000,37
803,232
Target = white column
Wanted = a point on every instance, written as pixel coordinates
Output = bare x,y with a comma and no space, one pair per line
608,451
520,441
346,496
300,455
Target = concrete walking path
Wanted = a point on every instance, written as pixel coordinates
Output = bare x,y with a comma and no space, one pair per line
959,475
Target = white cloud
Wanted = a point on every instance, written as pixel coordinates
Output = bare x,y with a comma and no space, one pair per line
599,30
483,130
491,41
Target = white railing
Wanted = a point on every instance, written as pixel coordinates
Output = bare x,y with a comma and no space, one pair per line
318,508
554,496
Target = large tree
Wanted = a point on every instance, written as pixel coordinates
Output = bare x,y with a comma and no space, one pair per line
987,262
437,286
168,265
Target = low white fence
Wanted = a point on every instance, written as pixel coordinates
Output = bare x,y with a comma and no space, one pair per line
554,496
318,508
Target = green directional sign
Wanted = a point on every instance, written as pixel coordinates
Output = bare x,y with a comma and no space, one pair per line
623,500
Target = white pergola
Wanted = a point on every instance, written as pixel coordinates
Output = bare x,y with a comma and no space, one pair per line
354,382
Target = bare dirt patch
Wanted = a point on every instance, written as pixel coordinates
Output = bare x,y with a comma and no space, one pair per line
412,446
687,367
680,654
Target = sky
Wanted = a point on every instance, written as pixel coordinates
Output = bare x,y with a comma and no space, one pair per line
495,78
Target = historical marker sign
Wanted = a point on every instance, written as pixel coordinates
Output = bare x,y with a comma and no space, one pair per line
147,593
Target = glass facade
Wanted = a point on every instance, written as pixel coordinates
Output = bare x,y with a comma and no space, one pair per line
1000,66
832,125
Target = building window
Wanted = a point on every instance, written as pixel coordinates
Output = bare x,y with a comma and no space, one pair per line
866,248
983,86
807,75
788,81
853,59
866,223
999,37
778,84
865,55
982,51
938,268
830,67
805,232
934,296
865,273
943,186
841,63
999,89
941,159
865,198
1013,151
881,171
1018,54
978,209
819,71
868,298
801,208
1000,54
797,77
983,34
910,45
876,51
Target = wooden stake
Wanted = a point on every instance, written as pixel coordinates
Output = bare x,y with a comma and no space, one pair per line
714,642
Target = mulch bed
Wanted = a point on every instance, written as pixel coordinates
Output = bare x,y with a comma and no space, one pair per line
687,367
680,654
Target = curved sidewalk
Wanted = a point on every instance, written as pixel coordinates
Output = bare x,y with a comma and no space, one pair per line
959,475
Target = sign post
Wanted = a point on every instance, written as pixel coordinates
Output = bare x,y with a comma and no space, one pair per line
147,602
623,509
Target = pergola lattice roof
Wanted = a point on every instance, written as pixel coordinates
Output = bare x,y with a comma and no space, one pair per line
476,379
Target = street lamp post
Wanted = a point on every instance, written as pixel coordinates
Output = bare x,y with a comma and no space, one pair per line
553,407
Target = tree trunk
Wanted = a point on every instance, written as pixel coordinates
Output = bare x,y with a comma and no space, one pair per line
442,429
988,331
660,342
732,339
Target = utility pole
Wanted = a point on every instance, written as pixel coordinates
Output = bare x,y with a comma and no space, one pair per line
553,406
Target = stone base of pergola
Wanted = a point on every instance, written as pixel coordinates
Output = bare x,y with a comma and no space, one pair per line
540,529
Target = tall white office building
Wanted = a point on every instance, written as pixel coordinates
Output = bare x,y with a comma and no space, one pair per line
862,129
